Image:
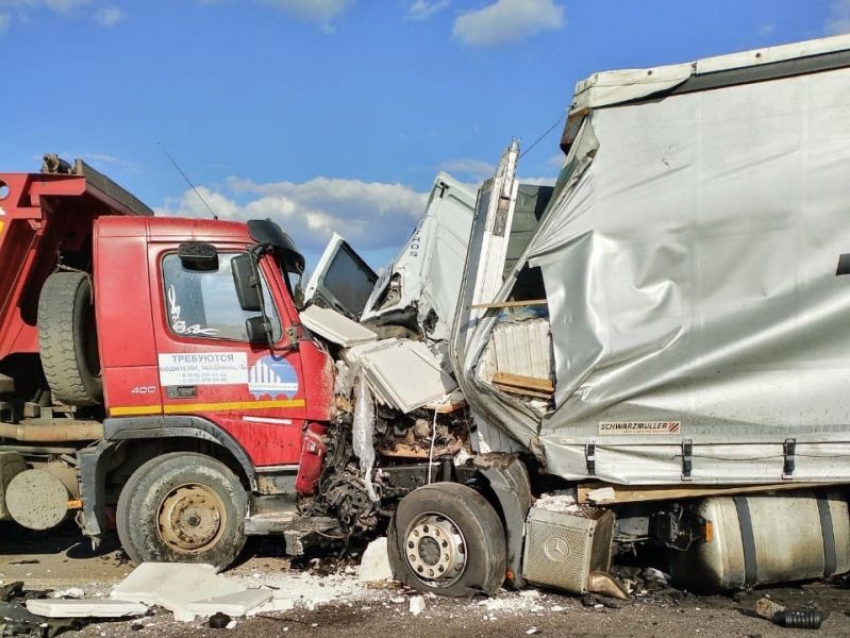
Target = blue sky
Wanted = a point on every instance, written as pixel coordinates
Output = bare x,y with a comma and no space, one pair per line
335,114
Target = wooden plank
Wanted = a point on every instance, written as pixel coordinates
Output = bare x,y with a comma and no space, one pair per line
510,304
526,383
648,493
524,392
445,408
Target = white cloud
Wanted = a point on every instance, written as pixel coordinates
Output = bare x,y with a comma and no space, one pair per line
424,9
372,215
109,16
469,168
59,6
65,6
507,21
22,8
839,18
767,29
322,12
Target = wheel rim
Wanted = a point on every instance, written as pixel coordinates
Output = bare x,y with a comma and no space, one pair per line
192,518
435,550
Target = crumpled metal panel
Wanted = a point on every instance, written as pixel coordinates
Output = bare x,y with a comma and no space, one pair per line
689,255
426,274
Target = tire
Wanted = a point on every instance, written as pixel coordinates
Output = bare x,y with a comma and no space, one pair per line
183,507
452,516
67,339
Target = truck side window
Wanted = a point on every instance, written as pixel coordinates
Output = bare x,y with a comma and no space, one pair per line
204,303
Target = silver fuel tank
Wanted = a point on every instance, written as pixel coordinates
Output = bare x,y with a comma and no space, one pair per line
767,538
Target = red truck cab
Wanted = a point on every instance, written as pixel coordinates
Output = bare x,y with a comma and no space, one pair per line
181,363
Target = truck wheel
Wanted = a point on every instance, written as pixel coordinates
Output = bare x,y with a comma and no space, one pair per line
67,339
183,507
447,539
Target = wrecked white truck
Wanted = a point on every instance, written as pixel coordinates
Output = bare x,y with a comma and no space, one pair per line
660,342
644,363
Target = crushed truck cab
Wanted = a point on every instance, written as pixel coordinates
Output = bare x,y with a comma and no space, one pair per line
647,359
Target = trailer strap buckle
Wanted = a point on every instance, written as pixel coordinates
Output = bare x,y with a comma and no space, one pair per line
590,457
789,449
687,458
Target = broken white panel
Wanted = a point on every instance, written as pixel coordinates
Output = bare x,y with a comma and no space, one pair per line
362,435
354,357
174,586
426,274
498,200
80,608
342,280
335,327
235,604
407,375
519,347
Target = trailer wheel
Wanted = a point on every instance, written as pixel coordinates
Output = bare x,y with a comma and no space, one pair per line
67,339
183,507
447,539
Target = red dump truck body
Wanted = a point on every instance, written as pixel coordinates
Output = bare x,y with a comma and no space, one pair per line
42,214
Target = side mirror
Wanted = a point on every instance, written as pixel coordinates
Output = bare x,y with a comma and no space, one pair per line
259,330
247,281
198,255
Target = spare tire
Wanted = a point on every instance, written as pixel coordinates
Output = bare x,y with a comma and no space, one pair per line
67,339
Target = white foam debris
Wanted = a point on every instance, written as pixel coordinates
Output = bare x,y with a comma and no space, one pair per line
297,589
417,605
375,565
234,604
559,501
75,608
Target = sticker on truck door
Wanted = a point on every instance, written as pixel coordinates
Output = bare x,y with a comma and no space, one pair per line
640,427
203,368
273,376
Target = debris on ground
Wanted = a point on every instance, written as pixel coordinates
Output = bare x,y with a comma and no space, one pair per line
11,590
219,621
417,605
598,601
768,609
234,604
791,618
174,586
800,619
71,608
375,566
16,620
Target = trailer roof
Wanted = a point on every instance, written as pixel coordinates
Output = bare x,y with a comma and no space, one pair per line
609,88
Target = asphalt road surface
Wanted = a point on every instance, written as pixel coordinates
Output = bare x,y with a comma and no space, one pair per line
347,609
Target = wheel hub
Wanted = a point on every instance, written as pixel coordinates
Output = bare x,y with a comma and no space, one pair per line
435,550
191,518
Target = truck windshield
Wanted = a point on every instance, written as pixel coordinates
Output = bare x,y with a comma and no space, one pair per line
204,303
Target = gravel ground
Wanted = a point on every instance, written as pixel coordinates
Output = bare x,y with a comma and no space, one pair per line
338,606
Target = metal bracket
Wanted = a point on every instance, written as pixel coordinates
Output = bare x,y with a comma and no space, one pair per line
292,336
590,457
789,449
687,458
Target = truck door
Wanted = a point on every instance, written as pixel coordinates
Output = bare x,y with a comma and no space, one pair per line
208,368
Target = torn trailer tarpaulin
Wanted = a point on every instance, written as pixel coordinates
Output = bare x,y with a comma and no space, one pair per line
689,257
